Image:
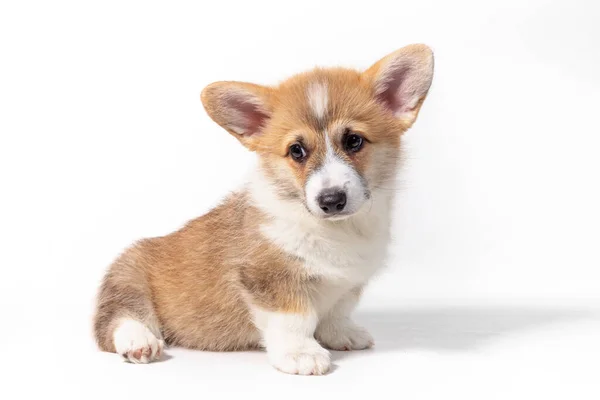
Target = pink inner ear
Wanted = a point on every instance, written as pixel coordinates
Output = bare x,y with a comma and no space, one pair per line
402,83
248,118
398,95
392,96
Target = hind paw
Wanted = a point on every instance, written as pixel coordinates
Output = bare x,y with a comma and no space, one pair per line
136,343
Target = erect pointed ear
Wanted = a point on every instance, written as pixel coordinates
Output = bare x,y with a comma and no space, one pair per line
402,79
243,109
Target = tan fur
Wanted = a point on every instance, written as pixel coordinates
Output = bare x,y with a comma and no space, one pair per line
196,278
194,286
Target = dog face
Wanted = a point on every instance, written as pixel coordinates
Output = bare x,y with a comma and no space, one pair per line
328,137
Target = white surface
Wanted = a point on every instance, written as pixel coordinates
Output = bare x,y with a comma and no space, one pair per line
494,275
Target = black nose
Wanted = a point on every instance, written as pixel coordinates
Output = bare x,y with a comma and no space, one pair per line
332,201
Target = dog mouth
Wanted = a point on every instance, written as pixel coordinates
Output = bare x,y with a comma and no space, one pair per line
337,217
340,216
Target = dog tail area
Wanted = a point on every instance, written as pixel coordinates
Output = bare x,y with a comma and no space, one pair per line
125,321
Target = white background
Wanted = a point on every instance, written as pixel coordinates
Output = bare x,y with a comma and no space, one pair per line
493,287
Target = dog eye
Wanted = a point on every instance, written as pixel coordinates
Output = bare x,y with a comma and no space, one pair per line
353,142
297,152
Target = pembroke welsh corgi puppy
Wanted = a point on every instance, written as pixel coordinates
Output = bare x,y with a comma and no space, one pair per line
281,263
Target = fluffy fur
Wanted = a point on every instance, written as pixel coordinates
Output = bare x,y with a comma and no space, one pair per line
268,268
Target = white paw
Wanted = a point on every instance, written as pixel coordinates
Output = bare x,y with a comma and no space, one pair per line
344,336
136,343
304,358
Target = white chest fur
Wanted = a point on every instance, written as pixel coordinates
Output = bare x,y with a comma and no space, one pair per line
349,250
341,254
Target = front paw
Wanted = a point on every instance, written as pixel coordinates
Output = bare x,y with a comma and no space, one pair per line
305,357
344,336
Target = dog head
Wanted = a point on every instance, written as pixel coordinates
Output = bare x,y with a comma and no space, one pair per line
328,137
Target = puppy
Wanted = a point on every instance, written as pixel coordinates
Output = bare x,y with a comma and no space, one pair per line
281,263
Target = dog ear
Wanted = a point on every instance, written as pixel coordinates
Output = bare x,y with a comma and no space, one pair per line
402,79
242,109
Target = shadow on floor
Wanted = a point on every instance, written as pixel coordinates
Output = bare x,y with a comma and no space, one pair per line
459,328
